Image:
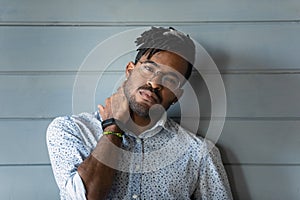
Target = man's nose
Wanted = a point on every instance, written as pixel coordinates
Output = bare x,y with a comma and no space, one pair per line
155,82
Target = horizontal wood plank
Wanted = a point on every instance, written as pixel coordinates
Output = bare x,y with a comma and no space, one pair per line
45,96
233,47
23,142
264,182
260,142
144,11
27,182
241,142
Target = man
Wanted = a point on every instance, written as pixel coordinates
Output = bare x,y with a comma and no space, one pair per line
129,149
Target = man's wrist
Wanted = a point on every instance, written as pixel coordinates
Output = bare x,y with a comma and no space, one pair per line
113,128
119,135
110,121
107,122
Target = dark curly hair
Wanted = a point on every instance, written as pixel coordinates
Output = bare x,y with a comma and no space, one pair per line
166,39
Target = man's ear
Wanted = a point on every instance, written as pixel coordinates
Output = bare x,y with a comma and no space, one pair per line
130,66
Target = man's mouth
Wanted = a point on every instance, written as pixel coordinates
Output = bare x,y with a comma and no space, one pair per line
149,96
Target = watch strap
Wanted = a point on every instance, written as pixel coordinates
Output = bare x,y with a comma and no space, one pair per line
108,122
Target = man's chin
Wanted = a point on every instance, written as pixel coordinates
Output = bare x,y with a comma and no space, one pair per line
140,109
155,111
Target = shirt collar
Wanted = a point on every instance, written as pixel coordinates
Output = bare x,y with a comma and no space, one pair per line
160,124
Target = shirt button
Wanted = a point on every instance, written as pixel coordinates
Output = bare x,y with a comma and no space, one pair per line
135,196
137,167
138,141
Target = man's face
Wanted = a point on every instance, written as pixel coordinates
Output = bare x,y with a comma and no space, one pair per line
143,90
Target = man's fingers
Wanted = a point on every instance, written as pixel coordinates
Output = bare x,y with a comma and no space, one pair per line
101,109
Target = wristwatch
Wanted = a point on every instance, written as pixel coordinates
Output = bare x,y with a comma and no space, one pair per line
108,122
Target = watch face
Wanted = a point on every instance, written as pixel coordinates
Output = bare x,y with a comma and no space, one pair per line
107,122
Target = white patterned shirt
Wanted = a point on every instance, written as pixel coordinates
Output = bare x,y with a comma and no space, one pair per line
166,162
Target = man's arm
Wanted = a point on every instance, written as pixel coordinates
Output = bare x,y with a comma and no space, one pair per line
96,176
67,150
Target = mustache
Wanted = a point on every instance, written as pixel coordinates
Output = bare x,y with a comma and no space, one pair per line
155,91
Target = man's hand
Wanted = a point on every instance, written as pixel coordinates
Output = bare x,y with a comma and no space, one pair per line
116,106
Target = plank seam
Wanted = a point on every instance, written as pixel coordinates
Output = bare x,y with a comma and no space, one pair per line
138,23
93,72
178,118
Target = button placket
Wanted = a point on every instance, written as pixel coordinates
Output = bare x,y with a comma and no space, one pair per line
136,167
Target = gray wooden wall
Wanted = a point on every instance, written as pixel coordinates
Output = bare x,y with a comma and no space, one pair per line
255,44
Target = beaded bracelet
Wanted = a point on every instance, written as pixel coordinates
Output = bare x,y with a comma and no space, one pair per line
120,135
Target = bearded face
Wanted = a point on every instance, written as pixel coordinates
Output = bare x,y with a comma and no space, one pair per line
158,85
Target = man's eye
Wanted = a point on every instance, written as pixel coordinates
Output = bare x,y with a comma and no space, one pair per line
171,80
149,68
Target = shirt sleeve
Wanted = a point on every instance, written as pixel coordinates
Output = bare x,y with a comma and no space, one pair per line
66,152
213,182
75,188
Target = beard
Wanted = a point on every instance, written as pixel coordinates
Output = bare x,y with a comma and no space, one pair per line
139,108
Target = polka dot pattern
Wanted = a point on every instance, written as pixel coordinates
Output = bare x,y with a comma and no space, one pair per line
169,162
